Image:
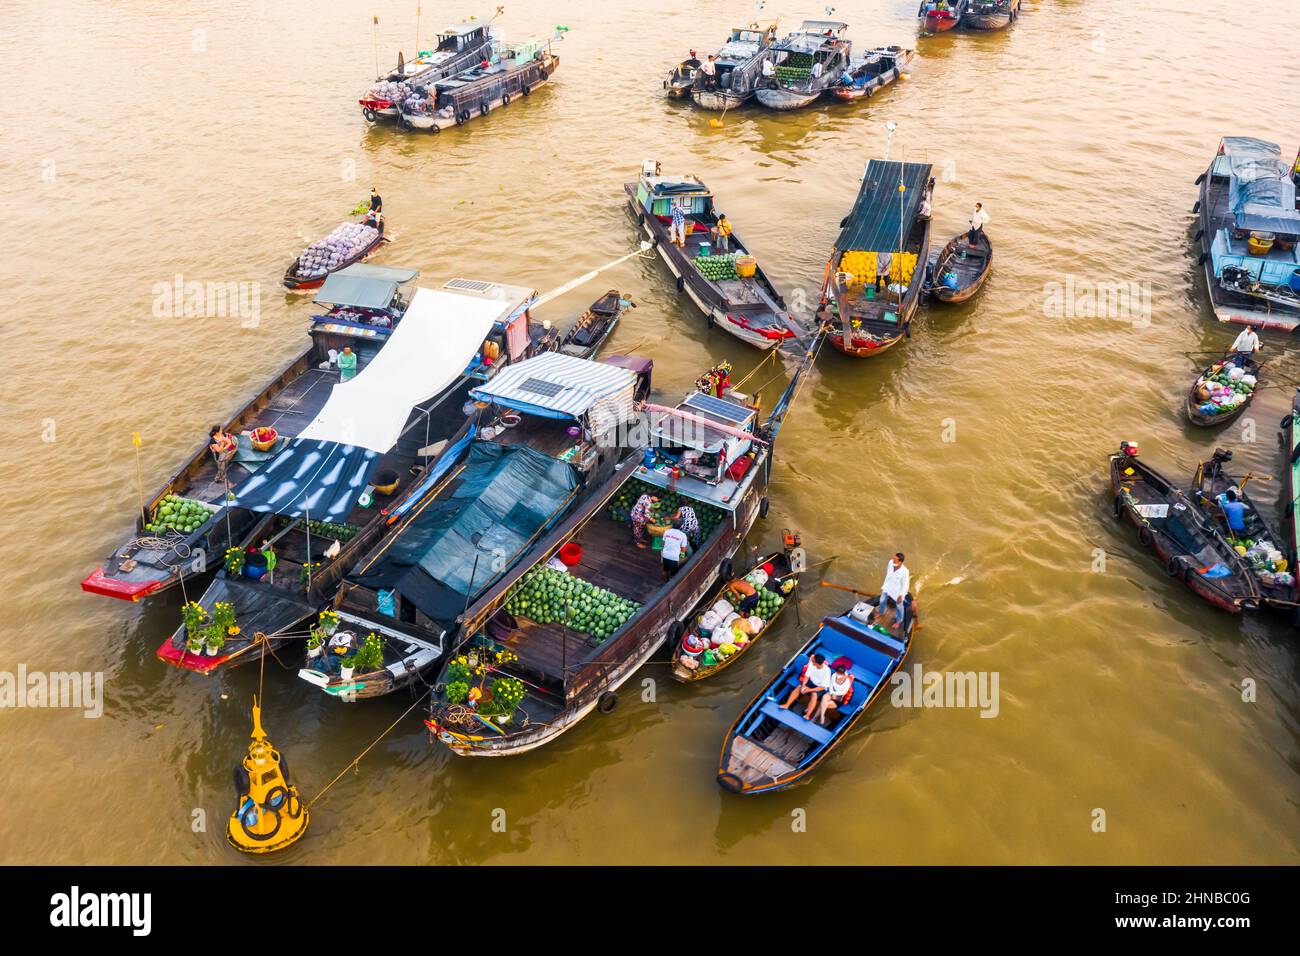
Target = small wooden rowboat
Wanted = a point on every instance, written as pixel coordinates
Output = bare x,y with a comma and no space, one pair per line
585,337
990,14
692,662
768,747
1198,397
938,17
297,281
1169,524
961,269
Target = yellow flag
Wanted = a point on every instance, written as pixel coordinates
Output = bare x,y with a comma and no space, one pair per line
135,439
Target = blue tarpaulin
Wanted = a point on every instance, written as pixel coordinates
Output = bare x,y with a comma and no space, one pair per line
321,480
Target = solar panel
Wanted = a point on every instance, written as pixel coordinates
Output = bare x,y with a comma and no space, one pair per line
541,387
469,285
718,407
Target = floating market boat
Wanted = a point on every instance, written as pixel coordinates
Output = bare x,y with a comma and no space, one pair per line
585,337
1291,498
1223,392
939,15
806,64
1249,234
737,68
517,70
714,640
459,48
558,644
1170,525
163,548
681,80
961,269
520,469
990,14
885,223
1260,546
876,70
769,747
347,245
729,288
360,450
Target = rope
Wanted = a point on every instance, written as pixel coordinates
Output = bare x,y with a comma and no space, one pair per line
750,374
357,759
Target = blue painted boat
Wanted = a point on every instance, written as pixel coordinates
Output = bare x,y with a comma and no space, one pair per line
768,748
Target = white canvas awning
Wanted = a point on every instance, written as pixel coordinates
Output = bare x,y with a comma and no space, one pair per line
428,351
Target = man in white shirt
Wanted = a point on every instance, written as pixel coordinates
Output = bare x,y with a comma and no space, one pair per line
978,219
710,71
1246,345
897,582
814,679
817,70
769,68
676,544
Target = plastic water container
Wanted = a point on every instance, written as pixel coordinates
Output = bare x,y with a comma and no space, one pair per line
648,458
705,249
1295,282
861,612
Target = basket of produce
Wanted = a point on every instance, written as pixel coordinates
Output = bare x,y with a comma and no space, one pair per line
264,438
746,266
386,481
1260,243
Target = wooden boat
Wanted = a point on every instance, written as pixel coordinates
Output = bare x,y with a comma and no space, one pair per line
584,338
990,14
681,80
769,748
876,70
1291,484
749,307
299,277
1169,523
960,270
1248,188
694,658
410,590
154,562
324,499
1198,396
806,64
736,66
459,48
884,221
713,454
939,15
1211,482
519,69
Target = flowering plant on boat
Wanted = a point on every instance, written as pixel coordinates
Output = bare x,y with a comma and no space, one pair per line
234,560
328,621
507,692
370,656
458,670
193,616
308,569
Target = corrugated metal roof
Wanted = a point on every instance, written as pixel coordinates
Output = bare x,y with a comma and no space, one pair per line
553,382
873,225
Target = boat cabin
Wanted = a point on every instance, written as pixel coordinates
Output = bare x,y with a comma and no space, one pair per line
1255,217
364,303
514,70
818,47
706,438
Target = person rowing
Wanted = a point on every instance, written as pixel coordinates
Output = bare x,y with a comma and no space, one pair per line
1246,346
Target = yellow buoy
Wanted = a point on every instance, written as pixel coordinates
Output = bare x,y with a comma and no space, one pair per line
270,815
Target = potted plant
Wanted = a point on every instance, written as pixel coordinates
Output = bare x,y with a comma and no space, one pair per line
213,640
255,564
221,626
194,617
370,655
234,561
315,643
328,622
346,666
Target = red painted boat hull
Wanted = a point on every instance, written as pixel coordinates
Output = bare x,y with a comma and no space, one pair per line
99,583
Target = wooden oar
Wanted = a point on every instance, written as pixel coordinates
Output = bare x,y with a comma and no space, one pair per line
841,587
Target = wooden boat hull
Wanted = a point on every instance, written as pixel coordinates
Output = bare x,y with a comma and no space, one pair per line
939,22
435,123
1162,545
1196,417
745,767
720,99
967,289
1291,507
989,21
599,321
778,98
298,284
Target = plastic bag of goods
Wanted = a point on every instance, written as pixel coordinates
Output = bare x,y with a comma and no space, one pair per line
726,650
1249,380
757,577
723,607
1284,578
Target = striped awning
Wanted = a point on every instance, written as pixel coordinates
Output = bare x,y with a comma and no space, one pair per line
321,480
554,385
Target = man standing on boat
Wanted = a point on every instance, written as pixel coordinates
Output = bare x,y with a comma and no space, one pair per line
376,202
677,231
897,581
710,71
978,219
883,261
1246,345
724,233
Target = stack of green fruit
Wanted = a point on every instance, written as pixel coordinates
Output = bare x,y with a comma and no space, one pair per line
791,74
620,509
548,596
330,529
717,268
184,515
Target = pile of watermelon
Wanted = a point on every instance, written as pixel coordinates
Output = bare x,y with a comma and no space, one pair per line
184,515
717,268
548,596
620,509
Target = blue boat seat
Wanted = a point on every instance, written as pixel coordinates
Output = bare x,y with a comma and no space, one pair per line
796,722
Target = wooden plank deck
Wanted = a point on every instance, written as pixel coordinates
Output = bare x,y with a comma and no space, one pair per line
754,764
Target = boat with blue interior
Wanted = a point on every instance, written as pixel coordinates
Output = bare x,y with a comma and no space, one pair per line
723,280
515,71
804,65
558,635
873,281
1249,234
544,436
872,72
728,78
365,303
459,47
352,446
778,739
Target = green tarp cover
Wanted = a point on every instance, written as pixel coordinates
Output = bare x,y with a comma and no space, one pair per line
363,286
873,225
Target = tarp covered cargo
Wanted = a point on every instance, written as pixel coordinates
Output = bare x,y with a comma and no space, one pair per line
555,385
363,286
321,480
873,225
505,497
439,335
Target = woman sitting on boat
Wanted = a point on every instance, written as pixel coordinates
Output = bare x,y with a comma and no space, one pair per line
642,512
839,693
813,680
